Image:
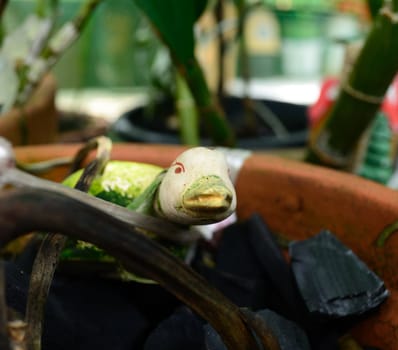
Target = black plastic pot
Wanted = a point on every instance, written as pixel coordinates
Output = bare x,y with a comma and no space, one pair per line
279,124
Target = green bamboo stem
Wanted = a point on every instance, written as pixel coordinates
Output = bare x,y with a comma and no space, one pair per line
187,113
182,53
214,119
374,7
25,210
85,14
361,94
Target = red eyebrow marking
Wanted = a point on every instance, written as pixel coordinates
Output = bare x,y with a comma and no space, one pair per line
180,167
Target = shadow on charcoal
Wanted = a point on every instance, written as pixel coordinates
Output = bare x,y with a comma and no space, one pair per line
90,313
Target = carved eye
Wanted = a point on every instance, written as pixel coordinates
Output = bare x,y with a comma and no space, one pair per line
179,168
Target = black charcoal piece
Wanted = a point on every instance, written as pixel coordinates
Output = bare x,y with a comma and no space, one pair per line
235,253
248,249
241,291
332,280
182,330
92,313
289,335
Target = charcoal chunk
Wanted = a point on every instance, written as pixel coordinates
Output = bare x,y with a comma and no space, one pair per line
182,330
288,333
332,280
91,313
248,250
235,253
241,291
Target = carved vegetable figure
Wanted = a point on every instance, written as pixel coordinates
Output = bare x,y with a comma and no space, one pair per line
194,190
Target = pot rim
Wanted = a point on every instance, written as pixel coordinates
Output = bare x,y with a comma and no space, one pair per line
296,200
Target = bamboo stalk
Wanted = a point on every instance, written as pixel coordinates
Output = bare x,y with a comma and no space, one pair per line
213,116
25,210
187,113
374,7
361,94
216,125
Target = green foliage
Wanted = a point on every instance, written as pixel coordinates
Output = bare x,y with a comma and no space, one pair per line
174,21
46,8
374,7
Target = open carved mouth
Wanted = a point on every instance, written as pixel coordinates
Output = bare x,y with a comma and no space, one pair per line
208,195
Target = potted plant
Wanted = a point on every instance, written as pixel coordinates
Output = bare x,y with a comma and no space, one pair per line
205,116
297,200
27,54
36,122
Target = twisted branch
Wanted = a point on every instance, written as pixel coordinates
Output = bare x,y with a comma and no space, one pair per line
25,210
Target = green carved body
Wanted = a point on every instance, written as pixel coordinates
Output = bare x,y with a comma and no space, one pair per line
121,181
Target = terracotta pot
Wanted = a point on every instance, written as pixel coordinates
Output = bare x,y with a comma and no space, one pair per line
298,200
39,114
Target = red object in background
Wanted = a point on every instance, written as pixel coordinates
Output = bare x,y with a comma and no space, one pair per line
358,8
327,96
390,105
329,92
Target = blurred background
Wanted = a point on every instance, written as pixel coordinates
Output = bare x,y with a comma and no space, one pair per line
291,47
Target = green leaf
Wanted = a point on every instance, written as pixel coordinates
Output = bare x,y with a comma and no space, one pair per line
143,203
174,21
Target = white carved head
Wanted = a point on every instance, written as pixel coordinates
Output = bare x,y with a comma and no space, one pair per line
197,189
